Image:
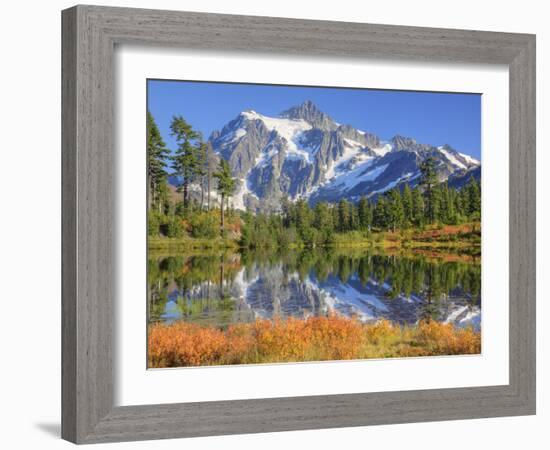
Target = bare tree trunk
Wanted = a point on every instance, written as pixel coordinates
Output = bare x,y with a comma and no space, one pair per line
185,194
202,194
208,193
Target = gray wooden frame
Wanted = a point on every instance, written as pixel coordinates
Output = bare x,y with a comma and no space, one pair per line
89,37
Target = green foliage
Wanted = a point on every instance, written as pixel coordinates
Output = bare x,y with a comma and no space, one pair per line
364,212
226,186
380,215
429,180
204,225
157,155
186,160
418,217
344,216
165,225
300,225
173,227
323,222
395,211
261,231
154,220
226,182
473,194
407,201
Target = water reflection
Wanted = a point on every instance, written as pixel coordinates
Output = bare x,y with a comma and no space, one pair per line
225,288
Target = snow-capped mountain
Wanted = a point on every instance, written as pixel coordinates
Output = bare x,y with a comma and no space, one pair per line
304,153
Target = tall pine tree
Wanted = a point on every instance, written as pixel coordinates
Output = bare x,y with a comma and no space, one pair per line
344,216
417,207
365,213
380,214
226,186
395,211
323,220
157,154
429,181
473,195
407,204
185,161
202,168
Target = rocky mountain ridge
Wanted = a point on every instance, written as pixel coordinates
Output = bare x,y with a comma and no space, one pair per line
304,153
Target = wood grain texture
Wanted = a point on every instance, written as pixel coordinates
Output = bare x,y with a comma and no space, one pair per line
89,37
68,226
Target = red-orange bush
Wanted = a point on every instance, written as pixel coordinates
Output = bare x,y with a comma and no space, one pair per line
313,339
444,338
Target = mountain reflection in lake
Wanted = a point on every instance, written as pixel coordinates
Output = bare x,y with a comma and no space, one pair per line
225,288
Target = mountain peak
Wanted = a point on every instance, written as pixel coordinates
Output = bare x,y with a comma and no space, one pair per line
447,147
402,142
309,112
305,110
303,153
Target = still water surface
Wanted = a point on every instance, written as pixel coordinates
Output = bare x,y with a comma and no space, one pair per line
219,289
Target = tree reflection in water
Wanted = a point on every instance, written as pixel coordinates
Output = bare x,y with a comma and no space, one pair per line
223,288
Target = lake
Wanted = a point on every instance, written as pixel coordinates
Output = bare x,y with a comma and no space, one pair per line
219,289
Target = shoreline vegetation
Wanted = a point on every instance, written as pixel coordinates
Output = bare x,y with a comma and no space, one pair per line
314,339
461,242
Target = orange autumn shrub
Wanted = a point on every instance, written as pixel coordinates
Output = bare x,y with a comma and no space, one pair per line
444,338
312,339
316,338
184,344
379,331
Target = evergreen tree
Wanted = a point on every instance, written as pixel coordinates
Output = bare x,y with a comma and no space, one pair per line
473,195
460,204
395,211
202,169
407,204
380,217
417,207
157,154
436,201
353,217
365,213
185,161
226,186
303,217
287,212
335,216
429,181
323,220
447,205
343,215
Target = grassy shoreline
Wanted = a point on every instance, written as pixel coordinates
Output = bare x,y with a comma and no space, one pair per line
165,244
461,242
299,340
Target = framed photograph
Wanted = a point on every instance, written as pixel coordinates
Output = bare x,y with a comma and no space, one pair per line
277,224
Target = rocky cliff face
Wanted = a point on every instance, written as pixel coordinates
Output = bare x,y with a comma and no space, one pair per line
304,153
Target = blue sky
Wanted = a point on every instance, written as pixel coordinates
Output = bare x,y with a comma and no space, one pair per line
429,117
